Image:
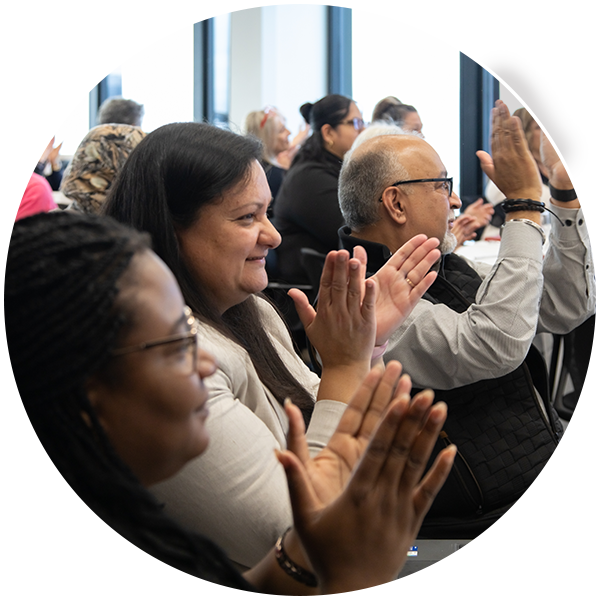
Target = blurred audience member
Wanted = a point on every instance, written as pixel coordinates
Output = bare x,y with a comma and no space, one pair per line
120,110
15,163
307,213
269,126
403,115
382,106
50,165
99,157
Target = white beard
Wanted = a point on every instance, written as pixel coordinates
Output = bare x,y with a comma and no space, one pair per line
448,244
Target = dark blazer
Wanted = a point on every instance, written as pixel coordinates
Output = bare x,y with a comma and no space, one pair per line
307,213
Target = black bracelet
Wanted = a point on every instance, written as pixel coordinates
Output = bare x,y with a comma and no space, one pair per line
295,571
562,195
522,204
526,204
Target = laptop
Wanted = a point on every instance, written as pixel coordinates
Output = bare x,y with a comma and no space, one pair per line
565,568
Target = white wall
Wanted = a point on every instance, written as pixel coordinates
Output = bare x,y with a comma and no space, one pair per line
394,60
277,58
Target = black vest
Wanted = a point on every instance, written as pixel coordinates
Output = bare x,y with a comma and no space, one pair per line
502,433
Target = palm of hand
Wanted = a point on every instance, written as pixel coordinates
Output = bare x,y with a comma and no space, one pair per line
330,470
394,301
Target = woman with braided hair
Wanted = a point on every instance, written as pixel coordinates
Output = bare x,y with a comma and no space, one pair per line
105,358
201,194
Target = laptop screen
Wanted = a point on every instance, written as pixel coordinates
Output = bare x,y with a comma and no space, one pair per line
578,545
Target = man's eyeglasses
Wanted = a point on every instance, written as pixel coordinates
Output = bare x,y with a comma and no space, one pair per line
188,340
447,184
357,123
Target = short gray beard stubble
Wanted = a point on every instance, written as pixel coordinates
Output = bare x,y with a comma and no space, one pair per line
448,244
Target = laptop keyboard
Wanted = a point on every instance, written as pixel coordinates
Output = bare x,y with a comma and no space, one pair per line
499,570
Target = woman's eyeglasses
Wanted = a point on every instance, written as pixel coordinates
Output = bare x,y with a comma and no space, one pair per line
357,123
188,341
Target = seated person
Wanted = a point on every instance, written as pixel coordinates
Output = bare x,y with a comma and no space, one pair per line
15,168
470,337
269,127
121,111
95,164
116,394
201,194
403,115
382,106
306,211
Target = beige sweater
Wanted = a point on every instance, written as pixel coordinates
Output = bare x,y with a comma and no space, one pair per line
236,492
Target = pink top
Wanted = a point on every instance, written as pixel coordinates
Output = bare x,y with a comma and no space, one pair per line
37,197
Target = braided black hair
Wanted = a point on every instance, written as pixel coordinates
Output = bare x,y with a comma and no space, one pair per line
64,272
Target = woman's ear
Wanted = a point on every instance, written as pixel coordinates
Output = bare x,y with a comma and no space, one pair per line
394,204
327,132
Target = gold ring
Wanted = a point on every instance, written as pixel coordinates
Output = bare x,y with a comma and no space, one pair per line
412,285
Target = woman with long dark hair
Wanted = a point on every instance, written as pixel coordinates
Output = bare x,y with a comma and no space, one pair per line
201,194
306,211
105,356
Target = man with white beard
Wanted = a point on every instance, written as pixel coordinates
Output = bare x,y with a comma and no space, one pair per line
470,337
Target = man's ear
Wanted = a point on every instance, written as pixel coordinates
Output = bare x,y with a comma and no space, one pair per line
327,135
394,204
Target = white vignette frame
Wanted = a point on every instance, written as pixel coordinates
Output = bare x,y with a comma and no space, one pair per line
461,550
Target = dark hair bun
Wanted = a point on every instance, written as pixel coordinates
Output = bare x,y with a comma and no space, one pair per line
306,111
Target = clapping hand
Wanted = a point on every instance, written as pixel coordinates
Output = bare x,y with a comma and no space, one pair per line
360,537
342,329
401,282
512,166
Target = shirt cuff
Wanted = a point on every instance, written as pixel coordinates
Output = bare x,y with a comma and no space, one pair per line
574,228
324,421
520,240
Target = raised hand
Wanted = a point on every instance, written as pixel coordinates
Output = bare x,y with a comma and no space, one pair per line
481,211
512,166
557,174
361,538
342,329
464,228
402,281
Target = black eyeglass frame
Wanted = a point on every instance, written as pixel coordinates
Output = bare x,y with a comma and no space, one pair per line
450,180
357,123
192,334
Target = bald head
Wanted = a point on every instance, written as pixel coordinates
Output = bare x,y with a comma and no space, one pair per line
374,163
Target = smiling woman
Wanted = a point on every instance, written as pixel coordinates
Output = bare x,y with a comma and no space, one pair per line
114,388
202,195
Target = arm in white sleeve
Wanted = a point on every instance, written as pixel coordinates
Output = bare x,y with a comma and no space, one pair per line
569,295
443,349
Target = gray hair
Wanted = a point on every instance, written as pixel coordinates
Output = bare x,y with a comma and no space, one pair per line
120,110
364,177
14,143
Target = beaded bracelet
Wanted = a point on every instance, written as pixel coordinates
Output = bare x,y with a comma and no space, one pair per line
519,204
292,569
